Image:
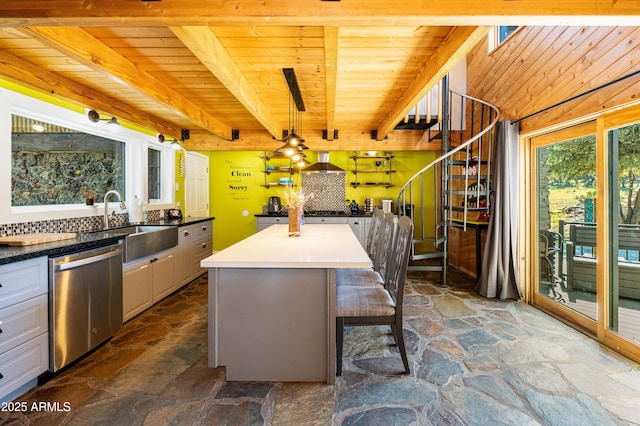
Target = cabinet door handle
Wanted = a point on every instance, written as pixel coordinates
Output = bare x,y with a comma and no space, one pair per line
155,259
204,245
204,228
1,376
186,233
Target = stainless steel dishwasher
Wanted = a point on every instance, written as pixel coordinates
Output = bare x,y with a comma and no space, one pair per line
85,302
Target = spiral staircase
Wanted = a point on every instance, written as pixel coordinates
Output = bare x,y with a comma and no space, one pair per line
454,189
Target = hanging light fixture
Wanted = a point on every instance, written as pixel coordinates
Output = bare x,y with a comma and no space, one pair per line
293,143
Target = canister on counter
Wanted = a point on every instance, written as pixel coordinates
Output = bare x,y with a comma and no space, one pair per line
387,206
368,205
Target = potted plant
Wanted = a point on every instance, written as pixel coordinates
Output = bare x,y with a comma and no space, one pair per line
88,196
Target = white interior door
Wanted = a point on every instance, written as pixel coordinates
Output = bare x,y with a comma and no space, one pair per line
196,185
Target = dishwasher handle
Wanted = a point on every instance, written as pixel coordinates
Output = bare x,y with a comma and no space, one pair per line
87,260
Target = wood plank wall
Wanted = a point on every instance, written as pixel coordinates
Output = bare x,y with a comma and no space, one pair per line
540,66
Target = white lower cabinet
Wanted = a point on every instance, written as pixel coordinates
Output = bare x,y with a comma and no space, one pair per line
366,227
263,222
194,244
357,226
164,277
148,280
325,219
21,366
24,336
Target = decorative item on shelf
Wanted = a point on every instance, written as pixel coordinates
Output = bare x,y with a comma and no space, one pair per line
374,164
183,165
295,202
89,199
354,208
473,167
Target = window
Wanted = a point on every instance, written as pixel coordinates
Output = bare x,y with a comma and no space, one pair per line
154,174
504,31
52,158
499,34
54,165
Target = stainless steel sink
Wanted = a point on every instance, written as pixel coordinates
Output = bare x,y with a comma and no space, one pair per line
142,241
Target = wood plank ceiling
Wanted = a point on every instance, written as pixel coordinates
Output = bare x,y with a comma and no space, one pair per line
216,66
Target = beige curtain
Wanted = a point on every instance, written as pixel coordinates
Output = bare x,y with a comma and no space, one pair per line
499,273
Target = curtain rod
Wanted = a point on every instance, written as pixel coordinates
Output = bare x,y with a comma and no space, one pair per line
577,96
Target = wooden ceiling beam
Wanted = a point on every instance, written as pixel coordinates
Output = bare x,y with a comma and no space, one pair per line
453,49
204,44
38,78
261,140
331,72
81,46
383,13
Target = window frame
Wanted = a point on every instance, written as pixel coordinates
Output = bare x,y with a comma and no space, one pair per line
494,36
158,174
136,144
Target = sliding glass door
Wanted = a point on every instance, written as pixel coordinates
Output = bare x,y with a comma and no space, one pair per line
565,225
624,202
584,237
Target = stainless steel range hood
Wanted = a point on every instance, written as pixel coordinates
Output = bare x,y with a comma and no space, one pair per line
323,165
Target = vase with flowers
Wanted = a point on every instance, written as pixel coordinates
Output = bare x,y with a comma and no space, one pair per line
295,202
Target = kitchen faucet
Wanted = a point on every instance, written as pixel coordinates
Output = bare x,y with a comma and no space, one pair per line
106,206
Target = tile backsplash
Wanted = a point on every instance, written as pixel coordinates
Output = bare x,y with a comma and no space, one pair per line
329,191
78,224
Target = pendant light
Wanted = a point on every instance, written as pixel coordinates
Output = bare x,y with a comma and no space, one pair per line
293,143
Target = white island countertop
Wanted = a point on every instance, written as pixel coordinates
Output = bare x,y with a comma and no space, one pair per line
318,246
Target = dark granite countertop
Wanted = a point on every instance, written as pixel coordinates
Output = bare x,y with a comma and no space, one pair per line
83,241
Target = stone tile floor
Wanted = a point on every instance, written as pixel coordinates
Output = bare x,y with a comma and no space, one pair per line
474,362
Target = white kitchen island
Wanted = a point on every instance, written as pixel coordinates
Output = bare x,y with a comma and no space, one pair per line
272,303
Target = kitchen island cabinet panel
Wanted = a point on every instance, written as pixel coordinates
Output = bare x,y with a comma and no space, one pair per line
280,332
272,312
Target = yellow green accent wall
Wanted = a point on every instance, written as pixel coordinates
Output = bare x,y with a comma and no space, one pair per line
37,94
180,155
237,193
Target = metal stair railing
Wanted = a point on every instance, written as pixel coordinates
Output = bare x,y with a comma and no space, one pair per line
477,121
